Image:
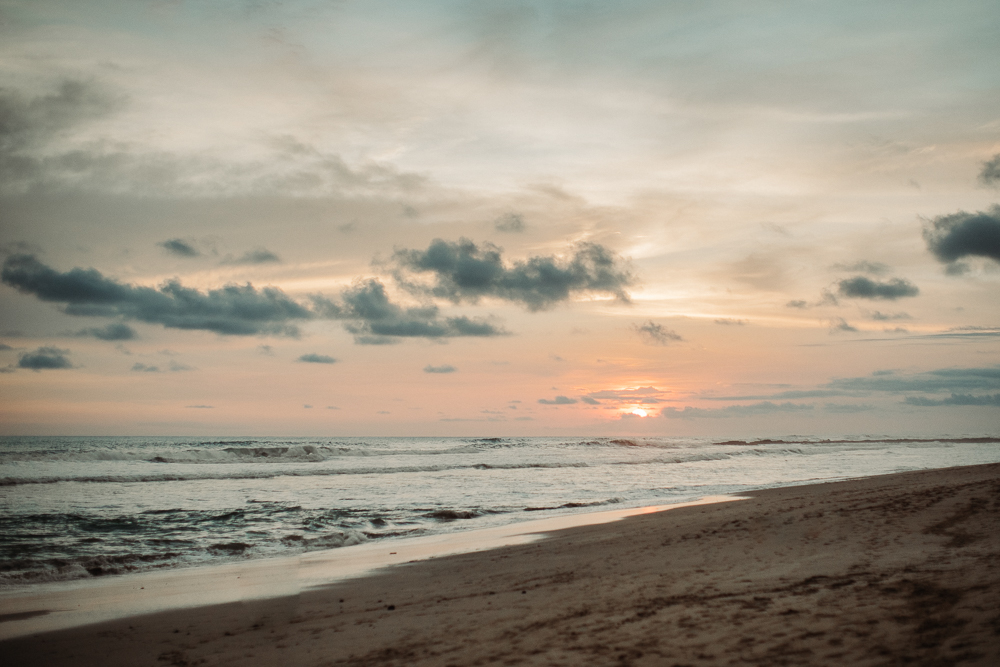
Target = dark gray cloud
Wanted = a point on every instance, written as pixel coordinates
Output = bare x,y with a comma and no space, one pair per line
374,319
990,174
447,368
313,358
464,271
952,237
558,400
729,321
45,358
234,309
5,346
510,223
752,410
797,303
200,407
655,334
590,401
113,331
860,287
255,256
180,248
989,400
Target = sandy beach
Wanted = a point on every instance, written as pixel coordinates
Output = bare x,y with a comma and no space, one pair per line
897,569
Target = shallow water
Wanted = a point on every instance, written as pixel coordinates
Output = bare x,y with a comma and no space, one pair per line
83,507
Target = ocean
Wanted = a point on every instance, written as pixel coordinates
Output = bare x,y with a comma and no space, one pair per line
84,507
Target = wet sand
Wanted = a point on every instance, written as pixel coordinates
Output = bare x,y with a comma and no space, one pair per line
897,569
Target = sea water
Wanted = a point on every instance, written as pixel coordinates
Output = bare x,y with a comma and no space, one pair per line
85,507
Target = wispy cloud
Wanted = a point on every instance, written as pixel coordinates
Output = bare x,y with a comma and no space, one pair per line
255,256
112,332
180,248
446,368
653,333
990,173
558,400
752,410
991,400
313,358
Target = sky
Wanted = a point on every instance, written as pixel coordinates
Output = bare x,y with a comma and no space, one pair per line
461,218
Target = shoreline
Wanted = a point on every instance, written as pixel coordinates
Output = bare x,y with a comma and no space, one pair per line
911,560
61,605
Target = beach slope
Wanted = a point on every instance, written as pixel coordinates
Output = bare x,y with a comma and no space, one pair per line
896,569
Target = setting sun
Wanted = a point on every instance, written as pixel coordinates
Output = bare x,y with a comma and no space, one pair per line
639,412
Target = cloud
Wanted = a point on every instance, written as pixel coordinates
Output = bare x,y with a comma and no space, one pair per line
113,331
374,319
728,321
839,324
35,155
990,175
464,271
233,309
644,395
180,248
45,358
848,408
5,346
860,287
864,266
797,303
266,350
174,367
510,223
989,400
655,334
936,381
29,124
952,237
558,400
200,407
440,369
792,393
752,410
255,256
313,358
885,317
